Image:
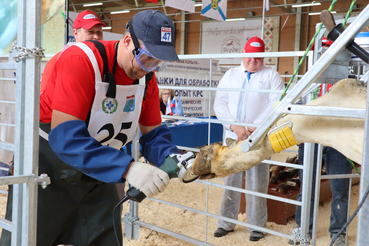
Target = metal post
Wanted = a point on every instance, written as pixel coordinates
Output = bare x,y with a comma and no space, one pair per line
308,163
297,36
132,229
363,216
26,124
31,122
66,21
317,192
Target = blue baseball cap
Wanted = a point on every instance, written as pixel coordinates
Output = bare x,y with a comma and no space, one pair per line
157,32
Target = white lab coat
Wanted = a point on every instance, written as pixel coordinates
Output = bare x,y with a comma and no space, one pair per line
255,108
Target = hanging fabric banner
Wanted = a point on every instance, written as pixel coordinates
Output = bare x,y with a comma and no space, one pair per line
187,5
266,5
215,9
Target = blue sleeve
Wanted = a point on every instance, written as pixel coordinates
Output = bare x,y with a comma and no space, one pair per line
157,145
73,144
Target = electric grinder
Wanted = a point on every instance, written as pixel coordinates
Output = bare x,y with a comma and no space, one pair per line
176,166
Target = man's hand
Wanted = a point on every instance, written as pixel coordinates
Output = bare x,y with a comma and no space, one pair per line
147,178
241,132
251,129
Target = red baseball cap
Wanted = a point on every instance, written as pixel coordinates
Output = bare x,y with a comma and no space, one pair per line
326,42
254,44
87,19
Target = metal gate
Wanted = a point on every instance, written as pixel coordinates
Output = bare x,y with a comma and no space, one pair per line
25,60
286,106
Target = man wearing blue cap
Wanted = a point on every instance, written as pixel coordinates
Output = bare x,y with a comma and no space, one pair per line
90,109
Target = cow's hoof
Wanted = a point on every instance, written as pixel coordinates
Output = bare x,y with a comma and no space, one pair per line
202,164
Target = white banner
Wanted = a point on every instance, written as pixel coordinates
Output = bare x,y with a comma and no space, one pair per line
192,73
187,5
214,9
228,37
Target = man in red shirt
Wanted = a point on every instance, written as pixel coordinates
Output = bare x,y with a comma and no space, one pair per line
87,26
90,108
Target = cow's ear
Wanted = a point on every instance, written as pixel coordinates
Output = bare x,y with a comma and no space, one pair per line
230,142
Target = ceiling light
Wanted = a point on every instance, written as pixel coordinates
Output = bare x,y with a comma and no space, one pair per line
92,4
305,4
120,12
318,13
198,4
106,27
236,19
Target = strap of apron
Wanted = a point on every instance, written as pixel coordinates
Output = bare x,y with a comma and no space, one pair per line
107,77
148,77
92,58
95,66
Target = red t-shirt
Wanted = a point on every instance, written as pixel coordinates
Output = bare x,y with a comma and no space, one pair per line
71,87
47,71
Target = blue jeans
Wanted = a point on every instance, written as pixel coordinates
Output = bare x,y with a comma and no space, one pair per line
336,163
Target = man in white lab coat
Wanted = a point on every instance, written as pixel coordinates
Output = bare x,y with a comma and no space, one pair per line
252,108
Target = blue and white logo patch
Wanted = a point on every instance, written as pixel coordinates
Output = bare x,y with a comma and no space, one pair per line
130,104
109,105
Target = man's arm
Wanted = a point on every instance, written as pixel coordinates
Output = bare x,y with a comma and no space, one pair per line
59,117
72,143
156,143
147,129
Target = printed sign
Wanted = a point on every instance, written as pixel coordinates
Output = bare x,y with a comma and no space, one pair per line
192,73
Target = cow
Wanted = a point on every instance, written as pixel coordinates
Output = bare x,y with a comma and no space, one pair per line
343,134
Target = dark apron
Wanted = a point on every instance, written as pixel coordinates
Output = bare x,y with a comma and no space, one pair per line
74,209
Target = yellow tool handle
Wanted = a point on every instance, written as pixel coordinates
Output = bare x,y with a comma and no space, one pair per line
282,139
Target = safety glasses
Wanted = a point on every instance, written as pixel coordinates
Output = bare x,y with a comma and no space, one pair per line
147,62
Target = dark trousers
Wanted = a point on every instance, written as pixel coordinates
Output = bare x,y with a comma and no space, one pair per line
74,209
336,163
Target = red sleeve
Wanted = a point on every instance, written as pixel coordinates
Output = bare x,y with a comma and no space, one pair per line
74,83
150,114
46,74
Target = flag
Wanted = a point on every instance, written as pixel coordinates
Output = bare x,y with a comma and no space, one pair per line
178,110
215,9
173,104
187,5
266,5
152,1
168,110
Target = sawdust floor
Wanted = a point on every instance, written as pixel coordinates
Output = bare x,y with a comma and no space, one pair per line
197,226
194,225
